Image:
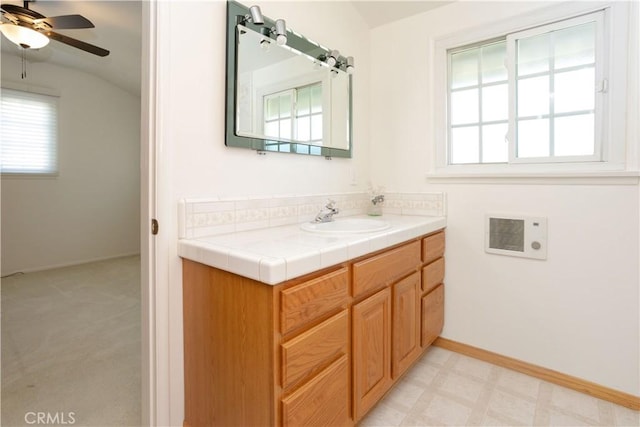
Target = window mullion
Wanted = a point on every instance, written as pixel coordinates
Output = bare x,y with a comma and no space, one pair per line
294,114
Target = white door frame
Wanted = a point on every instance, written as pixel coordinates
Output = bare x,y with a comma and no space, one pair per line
147,211
155,203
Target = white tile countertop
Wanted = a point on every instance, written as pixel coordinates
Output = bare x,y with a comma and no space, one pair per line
274,255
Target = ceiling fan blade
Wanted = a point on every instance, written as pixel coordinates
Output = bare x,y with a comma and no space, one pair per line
66,22
77,43
21,12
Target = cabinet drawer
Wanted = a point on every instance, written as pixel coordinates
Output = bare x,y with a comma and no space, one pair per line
310,351
305,302
378,271
432,247
432,315
432,275
323,401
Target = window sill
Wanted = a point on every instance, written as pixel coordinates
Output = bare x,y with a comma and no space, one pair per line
553,178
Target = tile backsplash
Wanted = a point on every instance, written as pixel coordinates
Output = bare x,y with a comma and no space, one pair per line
213,216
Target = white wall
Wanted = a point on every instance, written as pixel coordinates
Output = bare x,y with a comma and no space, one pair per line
195,161
578,311
91,210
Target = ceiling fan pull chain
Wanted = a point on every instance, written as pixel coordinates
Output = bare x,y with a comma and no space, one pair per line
24,64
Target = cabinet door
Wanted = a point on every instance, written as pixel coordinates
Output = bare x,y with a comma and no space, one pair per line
405,324
432,315
371,351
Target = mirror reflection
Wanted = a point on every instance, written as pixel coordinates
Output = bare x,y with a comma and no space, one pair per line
284,96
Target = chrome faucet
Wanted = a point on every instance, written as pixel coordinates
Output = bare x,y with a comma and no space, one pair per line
326,214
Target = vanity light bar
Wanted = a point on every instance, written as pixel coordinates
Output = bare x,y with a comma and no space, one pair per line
331,57
255,16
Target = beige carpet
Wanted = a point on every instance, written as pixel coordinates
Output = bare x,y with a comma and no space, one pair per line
71,345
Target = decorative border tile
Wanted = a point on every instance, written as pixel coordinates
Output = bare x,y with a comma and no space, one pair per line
209,217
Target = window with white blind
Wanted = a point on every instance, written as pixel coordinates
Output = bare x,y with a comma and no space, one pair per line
532,96
28,133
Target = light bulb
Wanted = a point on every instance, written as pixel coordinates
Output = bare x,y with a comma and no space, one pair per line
332,60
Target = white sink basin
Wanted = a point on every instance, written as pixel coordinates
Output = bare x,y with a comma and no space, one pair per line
346,225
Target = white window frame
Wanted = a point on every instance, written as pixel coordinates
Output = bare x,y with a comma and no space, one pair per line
613,126
51,98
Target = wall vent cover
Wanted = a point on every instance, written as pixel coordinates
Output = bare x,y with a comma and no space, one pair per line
516,235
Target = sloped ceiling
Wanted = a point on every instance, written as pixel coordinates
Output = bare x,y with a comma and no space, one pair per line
376,13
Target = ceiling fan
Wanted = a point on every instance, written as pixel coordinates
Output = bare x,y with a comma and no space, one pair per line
31,30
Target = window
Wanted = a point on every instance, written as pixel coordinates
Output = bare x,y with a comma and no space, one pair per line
29,127
532,96
295,114
479,101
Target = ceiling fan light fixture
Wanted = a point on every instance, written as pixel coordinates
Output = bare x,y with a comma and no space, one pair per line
24,37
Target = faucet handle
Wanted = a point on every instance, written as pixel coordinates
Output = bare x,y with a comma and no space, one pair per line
330,204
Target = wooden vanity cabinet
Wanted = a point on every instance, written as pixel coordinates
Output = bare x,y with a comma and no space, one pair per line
320,350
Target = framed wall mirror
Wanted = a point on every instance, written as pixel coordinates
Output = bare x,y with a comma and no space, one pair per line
292,97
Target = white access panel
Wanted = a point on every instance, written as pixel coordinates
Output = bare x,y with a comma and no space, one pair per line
516,235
